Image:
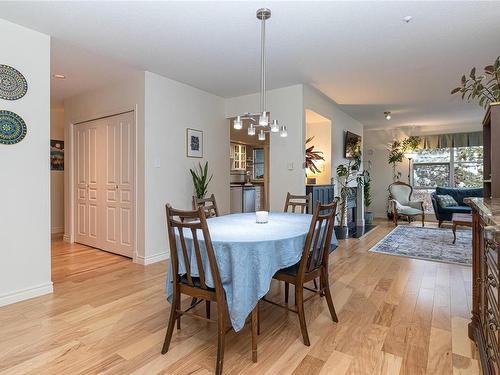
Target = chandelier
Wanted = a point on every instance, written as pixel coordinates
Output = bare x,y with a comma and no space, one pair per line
261,121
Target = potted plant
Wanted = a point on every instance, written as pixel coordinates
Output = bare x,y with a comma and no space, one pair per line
312,156
367,196
201,180
484,88
346,175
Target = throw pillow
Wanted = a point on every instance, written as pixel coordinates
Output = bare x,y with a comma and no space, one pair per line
446,201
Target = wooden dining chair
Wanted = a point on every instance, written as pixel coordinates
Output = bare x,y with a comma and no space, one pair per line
195,286
313,264
304,202
208,204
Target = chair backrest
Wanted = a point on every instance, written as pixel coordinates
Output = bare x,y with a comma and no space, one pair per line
178,223
304,202
209,205
400,192
318,240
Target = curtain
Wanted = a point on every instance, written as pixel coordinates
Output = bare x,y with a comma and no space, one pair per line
452,140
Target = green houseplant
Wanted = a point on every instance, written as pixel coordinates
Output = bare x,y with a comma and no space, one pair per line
346,175
483,88
312,156
367,196
397,150
201,180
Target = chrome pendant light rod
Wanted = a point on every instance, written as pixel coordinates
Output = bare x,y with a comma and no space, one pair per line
263,14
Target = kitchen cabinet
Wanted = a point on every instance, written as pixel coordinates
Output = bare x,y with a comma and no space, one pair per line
239,157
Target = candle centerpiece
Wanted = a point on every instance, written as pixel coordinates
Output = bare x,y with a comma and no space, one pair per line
261,217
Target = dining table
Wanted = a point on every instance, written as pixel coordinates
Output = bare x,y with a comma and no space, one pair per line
248,254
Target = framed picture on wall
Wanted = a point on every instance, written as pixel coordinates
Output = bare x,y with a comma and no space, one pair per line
194,140
56,155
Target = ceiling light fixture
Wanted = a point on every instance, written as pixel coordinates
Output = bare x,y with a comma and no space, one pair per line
387,115
407,19
261,119
59,76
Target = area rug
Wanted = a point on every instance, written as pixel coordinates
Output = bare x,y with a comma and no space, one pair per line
434,244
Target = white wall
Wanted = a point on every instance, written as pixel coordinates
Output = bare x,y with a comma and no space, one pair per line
341,122
170,108
108,100
321,131
24,187
286,154
57,177
375,151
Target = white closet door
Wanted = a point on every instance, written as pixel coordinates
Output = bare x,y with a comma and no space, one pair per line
117,213
87,183
104,183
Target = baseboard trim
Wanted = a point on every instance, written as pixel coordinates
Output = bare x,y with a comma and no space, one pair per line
24,294
151,259
66,238
57,230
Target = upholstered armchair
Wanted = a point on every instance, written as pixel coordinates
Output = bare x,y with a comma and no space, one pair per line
401,204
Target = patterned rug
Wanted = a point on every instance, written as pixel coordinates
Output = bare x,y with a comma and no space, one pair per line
428,243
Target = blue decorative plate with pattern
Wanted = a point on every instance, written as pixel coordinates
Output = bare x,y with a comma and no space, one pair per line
13,85
12,128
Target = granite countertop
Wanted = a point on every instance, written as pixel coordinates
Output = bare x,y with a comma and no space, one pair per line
489,210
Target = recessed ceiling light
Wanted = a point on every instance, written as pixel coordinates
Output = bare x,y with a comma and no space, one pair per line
407,19
59,76
387,115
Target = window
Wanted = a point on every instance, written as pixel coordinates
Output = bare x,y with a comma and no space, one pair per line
446,167
258,163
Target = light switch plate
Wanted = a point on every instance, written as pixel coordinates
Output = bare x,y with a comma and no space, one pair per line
290,165
156,163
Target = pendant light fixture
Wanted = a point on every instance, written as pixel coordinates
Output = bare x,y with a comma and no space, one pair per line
261,120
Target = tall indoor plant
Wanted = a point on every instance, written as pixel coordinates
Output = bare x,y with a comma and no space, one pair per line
346,175
367,196
397,150
201,180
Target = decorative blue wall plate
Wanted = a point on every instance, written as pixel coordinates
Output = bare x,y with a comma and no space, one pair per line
12,128
13,85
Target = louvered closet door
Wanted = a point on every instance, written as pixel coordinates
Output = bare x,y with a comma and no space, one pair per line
118,177
87,194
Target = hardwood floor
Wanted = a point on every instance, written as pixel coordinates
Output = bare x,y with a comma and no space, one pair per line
108,315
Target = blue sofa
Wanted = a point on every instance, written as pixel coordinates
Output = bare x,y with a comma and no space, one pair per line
445,214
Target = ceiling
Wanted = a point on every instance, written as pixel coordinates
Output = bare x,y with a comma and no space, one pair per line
360,54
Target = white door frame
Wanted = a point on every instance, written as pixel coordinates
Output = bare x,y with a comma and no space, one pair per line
70,162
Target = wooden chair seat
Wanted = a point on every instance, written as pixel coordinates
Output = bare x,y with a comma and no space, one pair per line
196,281
313,264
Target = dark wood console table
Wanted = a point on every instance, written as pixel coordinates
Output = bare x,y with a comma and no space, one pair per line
485,324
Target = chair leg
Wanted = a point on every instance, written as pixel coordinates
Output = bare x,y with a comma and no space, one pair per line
440,223
299,302
328,296
207,309
395,219
315,284
287,287
221,338
423,220
171,322
193,301
258,318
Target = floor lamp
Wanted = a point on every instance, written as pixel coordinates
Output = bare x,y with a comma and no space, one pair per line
410,156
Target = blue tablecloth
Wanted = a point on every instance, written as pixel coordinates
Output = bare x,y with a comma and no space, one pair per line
248,255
